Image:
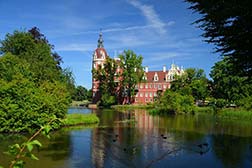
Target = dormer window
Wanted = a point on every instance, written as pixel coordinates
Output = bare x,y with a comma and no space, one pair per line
144,77
155,77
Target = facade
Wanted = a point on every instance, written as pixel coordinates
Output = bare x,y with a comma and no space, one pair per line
154,82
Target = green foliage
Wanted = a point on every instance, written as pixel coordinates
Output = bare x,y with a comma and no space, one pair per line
77,119
192,82
245,103
227,24
132,72
108,100
107,77
227,85
33,87
80,93
115,85
37,54
132,107
235,114
24,150
173,102
218,103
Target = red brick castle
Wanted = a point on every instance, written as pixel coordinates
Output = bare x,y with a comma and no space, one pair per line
155,82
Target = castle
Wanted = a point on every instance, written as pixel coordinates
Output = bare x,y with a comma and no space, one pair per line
154,82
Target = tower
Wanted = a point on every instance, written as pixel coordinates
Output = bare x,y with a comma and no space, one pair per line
99,58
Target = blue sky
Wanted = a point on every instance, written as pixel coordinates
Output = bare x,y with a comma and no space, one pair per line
159,30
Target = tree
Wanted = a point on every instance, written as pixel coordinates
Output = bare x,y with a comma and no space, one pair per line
36,49
228,25
34,87
40,38
174,102
132,71
192,82
108,84
227,85
80,93
25,105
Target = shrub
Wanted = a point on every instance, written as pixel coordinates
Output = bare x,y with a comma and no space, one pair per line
172,102
245,103
25,105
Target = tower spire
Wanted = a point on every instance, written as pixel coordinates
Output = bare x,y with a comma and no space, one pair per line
100,40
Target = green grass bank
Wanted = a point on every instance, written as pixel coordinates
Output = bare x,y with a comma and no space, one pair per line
80,119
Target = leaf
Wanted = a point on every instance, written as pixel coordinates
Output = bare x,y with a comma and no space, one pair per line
34,157
29,146
36,142
19,164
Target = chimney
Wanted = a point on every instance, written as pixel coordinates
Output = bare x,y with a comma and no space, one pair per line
146,69
164,68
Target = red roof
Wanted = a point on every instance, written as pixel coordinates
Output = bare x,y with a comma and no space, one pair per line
98,52
161,76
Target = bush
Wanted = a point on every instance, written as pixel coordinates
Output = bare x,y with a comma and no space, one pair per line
218,103
107,100
24,104
245,103
172,102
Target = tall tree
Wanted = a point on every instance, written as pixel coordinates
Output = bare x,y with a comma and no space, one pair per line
228,25
40,38
132,71
227,85
34,48
80,93
192,82
108,85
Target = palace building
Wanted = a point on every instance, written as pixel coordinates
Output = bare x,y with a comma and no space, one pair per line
154,83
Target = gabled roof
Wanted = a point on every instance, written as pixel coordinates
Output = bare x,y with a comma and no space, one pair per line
161,76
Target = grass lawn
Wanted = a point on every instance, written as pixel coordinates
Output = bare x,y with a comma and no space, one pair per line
132,106
80,119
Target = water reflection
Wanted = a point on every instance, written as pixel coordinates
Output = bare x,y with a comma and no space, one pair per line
137,139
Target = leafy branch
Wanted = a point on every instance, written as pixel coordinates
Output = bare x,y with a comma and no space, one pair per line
25,149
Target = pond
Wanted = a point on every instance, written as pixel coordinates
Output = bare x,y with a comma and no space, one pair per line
137,139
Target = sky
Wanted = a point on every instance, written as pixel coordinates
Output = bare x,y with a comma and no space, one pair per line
159,30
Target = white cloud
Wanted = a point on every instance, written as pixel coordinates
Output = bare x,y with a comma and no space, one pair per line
151,15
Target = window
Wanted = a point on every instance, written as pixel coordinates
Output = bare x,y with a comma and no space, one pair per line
150,94
164,86
150,99
159,86
146,94
155,86
155,94
146,99
136,99
155,77
141,86
141,94
150,85
137,95
146,86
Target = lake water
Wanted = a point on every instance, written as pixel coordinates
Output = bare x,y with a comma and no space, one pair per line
144,141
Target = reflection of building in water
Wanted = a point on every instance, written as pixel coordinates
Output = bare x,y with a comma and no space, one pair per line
129,144
97,149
